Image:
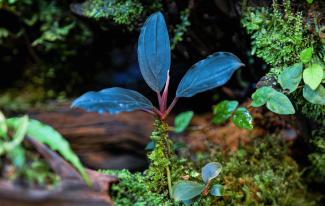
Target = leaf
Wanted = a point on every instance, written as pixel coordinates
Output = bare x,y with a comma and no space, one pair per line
280,104
150,146
20,130
113,101
291,77
182,121
314,96
3,126
275,101
223,111
313,75
186,190
154,51
310,1
47,135
306,54
209,73
210,171
243,119
261,95
216,190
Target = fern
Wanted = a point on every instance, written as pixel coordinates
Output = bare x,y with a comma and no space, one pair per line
47,135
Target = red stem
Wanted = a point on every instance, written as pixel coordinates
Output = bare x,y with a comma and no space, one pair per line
165,94
171,106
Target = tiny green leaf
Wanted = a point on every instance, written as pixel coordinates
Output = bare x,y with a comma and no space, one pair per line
310,1
314,96
210,171
243,119
306,54
216,190
291,77
261,95
150,146
182,121
223,111
3,125
186,190
280,104
313,75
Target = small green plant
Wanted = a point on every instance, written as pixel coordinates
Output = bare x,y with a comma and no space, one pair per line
154,59
240,116
310,70
12,134
182,121
185,191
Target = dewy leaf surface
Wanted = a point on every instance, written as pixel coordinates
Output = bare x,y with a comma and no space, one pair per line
154,51
47,135
113,100
223,111
243,119
207,74
280,104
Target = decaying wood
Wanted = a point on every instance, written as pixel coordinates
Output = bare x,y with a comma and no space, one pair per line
72,191
103,141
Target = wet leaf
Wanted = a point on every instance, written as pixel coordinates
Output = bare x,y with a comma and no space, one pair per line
313,76
290,77
314,96
210,171
207,74
306,54
216,190
182,121
243,119
223,111
186,190
154,51
113,100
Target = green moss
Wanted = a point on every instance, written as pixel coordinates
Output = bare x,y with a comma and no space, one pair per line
277,36
260,173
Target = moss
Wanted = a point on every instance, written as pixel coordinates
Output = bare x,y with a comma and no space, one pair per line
261,173
277,36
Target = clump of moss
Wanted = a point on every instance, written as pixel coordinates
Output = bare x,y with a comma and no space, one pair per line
278,36
261,173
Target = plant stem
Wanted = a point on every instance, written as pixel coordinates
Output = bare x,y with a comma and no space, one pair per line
169,180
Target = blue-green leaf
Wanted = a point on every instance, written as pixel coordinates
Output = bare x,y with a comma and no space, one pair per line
291,77
47,135
182,121
275,101
261,95
209,73
216,190
243,119
186,190
154,51
314,96
280,104
223,111
210,171
113,101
